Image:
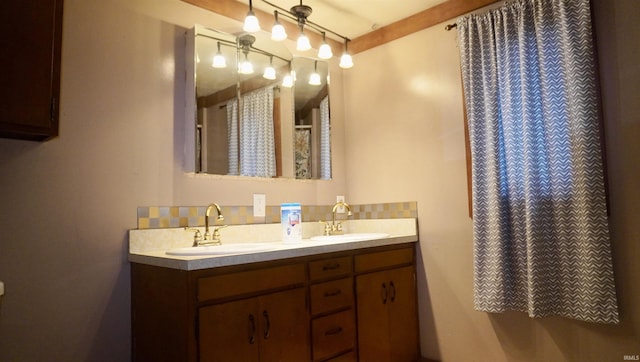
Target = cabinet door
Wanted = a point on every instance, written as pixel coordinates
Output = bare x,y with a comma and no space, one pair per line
403,315
230,331
387,316
30,68
284,327
372,296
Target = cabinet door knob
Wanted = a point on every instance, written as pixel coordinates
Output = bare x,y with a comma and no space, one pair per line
252,329
267,324
383,293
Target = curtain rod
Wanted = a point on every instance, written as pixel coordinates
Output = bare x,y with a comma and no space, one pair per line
450,26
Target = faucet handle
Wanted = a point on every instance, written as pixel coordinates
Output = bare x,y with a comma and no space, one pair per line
197,236
327,227
215,238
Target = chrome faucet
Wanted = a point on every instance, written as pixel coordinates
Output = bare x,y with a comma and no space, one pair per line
336,228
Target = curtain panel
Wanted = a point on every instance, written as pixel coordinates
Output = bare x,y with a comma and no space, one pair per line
541,239
232,136
257,140
325,140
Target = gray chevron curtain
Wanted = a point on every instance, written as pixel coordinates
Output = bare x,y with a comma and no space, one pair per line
541,239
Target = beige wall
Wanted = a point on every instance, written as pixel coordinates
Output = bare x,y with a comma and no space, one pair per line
410,146
67,204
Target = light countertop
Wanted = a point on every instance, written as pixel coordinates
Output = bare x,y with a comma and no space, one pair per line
149,246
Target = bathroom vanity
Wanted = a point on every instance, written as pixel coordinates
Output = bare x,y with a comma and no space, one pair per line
352,301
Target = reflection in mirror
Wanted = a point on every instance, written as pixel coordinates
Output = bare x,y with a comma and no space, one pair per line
244,121
312,121
216,88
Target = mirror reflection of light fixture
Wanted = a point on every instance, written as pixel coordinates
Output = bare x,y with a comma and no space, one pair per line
314,78
287,81
346,61
251,23
278,33
218,60
245,66
245,42
269,71
325,49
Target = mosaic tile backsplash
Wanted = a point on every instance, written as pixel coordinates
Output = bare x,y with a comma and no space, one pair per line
155,217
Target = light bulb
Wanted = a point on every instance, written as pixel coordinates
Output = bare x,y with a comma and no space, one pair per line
325,51
269,72
314,79
277,32
303,43
287,81
246,67
346,61
251,24
219,61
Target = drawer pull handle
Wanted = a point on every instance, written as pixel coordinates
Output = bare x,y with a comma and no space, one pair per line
383,293
252,329
333,331
332,266
332,293
392,287
267,324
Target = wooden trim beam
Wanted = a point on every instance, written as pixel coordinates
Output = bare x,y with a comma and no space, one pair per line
422,20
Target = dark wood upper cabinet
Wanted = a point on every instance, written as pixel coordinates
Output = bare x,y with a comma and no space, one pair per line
30,68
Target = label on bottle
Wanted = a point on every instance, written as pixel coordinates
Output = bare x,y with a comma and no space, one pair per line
291,221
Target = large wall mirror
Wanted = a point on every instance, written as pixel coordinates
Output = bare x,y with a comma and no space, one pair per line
254,109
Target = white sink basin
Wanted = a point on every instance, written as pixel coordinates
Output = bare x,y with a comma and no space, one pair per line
349,237
224,249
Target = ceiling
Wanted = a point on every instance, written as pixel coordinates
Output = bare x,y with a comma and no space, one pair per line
353,18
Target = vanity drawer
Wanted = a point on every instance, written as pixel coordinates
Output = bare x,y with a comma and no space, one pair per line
331,295
327,268
252,281
333,334
383,259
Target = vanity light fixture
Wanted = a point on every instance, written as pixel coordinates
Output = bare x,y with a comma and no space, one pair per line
346,61
278,33
314,78
325,49
300,14
269,71
218,60
251,24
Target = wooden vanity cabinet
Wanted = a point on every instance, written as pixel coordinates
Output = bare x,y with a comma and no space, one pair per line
387,307
319,308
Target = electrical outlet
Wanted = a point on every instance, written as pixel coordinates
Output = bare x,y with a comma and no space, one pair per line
340,209
259,205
